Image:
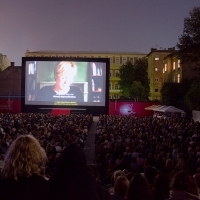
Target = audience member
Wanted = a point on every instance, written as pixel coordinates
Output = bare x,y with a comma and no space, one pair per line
161,187
72,180
24,171
139,189
183,187
120,188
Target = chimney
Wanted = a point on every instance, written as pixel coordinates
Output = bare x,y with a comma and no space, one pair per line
153,49
12,64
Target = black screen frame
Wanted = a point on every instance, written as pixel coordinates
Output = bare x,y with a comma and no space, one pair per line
90,109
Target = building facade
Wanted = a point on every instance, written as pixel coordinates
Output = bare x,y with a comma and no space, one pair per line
117,59
165,66
4,62
155,71
174,71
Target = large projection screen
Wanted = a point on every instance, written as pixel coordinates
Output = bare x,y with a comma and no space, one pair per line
65,83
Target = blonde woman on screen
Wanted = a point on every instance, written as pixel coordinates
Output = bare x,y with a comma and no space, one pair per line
62,90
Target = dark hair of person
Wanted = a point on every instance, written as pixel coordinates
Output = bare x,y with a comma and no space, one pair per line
121,185
183,181
161,186
139,188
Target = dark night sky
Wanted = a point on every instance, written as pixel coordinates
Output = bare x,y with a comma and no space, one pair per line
83,25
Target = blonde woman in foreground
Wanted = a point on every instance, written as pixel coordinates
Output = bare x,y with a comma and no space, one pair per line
24,171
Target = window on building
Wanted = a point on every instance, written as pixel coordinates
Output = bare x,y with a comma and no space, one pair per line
111,61
156,79
110,73
110,86
117,60
110,97
174,65
124,60
163,70
156,58
174,78
131,60
156,69
165,67
116,96
156,90
116,86
116,73
178,78
179,63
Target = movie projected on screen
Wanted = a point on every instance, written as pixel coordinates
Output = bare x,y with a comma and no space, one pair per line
65,82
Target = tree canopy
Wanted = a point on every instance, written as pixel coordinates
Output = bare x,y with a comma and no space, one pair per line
189,41
174,93
193,94
184,95
134,80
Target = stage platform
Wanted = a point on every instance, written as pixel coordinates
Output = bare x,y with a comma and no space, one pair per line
64,111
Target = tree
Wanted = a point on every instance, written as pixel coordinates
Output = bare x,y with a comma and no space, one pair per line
141,74
189,41
170,94
134,80
174,93
192,96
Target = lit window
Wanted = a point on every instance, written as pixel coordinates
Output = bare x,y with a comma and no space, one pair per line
156,58
156,90
117,60
165,67
116,73
124,60
163,70
174,66
116,86
178,78
156,69
179,63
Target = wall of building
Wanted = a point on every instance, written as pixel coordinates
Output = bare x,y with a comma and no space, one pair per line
117,59
4,62
155,71
176,72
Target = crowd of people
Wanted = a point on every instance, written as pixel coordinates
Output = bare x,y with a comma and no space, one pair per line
42,157
159,157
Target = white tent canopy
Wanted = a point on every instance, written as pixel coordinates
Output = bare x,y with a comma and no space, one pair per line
173,109
170,109
152,107
159,108
196,115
